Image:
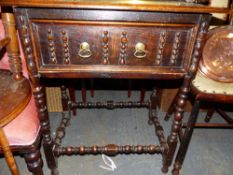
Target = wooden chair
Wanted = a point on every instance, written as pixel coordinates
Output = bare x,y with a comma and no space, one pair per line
213,83
19,124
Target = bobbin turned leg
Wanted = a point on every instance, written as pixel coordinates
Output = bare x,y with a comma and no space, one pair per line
34,162
153,106
183,92
48,143
64,98
37,89
154,120
176,126
186,139
72,97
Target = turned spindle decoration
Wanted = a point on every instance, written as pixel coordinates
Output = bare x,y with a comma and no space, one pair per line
122,58
198,46
60,132
110,149
105,50
52,54
161,46
110,104
65,45
175,49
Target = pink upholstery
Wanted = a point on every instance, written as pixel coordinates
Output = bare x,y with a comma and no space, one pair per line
24,129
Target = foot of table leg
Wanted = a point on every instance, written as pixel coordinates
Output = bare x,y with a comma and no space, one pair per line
176,168
164,169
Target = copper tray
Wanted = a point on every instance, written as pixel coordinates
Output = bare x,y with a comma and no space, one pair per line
217,55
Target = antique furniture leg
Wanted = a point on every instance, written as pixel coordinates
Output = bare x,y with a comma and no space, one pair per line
48,143
72,96
38,91
186,139
153,120
153,107
176,126
224,115
184,92
34,162
64,98
209,115
8,154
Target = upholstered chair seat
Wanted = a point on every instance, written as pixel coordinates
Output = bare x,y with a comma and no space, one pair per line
207,85
24,129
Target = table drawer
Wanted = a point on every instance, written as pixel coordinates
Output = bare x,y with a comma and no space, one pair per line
112,43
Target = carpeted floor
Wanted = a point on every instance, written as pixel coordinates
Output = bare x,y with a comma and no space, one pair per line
210,153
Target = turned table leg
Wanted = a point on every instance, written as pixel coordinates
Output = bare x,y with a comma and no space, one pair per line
183,92
186,139
176,126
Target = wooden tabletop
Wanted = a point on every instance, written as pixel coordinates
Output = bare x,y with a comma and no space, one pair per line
14,96
141,5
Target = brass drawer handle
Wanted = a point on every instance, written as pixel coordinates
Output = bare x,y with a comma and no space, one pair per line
84,50
140,51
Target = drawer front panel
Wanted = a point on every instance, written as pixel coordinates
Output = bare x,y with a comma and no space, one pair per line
63,43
